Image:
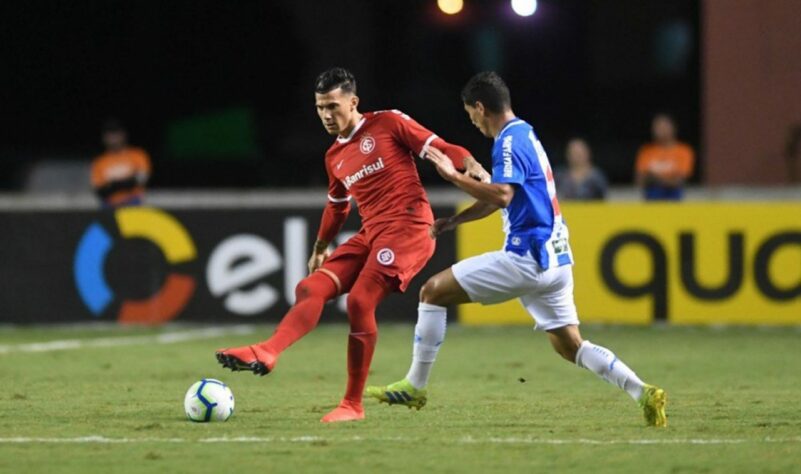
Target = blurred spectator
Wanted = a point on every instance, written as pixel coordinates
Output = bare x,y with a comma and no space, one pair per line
792,153
580,180
664,165
120,174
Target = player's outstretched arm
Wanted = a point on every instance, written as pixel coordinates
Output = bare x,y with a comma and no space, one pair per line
462,159
497,194
473,169
419,139
478,210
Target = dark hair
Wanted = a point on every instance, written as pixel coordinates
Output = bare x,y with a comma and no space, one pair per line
336,77
111,125
488,88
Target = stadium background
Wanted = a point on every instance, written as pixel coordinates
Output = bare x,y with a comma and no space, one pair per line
702,297
219,104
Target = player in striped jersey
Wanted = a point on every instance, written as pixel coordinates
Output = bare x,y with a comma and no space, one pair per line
534,266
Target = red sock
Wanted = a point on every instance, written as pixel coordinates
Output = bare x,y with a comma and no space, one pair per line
360,353
311,295
367,292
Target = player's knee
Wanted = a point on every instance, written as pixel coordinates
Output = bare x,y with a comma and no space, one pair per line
431,292
357,304
313,286
362,301
303,290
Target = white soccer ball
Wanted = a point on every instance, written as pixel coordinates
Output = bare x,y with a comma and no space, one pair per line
209,400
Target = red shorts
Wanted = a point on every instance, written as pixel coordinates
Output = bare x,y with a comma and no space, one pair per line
393,253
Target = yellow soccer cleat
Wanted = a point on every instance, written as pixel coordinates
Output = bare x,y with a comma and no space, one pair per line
653,402
399,393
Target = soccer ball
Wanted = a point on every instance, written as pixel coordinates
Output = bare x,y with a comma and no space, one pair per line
209,400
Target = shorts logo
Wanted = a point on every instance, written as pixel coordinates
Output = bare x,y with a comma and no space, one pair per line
136,223
385,256
367,145
516,241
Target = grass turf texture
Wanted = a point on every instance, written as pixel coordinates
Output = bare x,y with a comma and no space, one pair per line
739,386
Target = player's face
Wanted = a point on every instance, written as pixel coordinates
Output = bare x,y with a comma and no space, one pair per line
478,118
336,110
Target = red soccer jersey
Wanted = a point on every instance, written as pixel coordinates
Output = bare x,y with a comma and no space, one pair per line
375,165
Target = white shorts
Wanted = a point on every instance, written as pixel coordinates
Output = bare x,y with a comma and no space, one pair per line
499,276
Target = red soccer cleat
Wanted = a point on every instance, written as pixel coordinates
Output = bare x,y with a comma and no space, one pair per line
252,358
346,411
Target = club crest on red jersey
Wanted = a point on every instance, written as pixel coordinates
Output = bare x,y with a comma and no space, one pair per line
385,256
367,144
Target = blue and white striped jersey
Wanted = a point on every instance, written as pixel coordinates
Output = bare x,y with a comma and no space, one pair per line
532,221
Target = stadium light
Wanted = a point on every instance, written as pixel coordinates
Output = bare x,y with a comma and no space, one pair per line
524,7
450,7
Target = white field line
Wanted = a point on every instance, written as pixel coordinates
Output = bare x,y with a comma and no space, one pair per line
465,440
163,338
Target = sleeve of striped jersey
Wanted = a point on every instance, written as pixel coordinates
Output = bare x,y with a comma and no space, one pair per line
507,163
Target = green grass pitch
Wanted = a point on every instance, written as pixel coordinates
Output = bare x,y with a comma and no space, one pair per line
500,401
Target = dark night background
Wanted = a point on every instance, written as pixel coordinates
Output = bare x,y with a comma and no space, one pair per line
220,92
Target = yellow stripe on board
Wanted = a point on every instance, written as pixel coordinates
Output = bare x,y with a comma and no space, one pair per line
691,263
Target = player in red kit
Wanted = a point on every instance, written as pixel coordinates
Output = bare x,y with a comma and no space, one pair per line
373,162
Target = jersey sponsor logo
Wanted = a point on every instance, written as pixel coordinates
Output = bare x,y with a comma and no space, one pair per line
365,171
367,144
385,256
560,246
507,156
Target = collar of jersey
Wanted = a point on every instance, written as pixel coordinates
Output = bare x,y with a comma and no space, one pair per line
352,132
511,123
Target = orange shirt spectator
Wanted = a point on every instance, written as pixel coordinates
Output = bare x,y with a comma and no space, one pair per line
666,162
120,174
664,165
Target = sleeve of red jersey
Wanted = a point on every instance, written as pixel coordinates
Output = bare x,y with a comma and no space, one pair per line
336,210
418,139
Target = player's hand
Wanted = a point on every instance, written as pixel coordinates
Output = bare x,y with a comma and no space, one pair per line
444,164
317,259
474,170
440,226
